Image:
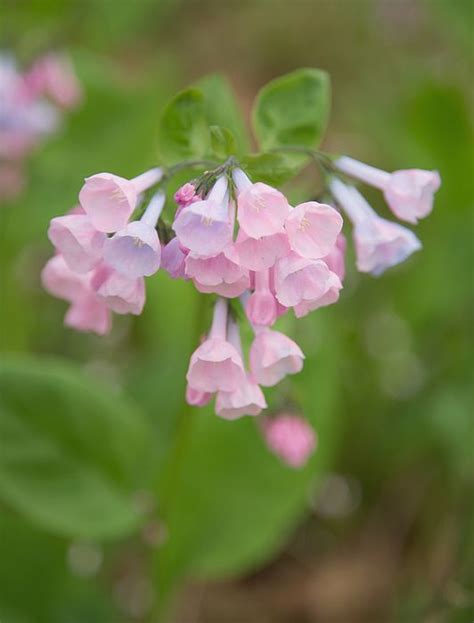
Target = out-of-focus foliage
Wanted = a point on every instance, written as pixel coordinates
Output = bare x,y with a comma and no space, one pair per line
387,377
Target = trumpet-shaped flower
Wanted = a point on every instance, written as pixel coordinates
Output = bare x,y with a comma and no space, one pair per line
216,365
273,355
89,313
261,209
312,229
121,294
77,240
298,279
109,200
329,296
409,193
291,438
135,251
205,227
379,243
213,271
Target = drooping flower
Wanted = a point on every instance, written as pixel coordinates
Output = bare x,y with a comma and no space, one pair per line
121,294
409,192
109,200
87,312
273,355
205,227
78,241
216,365
298,279
261,209
312,229
290,437
261,305
247,398
213,271
54,76
135,251
379,243
329,296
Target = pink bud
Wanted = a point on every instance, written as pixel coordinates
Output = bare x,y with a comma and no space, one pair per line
261,306
291,438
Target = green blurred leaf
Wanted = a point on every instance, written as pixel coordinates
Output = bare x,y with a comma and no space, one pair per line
293,109
71,450
222,109
183,130
271,168
222,142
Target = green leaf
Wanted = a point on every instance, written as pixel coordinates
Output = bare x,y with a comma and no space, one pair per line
222,142
293,110
272,168
71,450
183,131
222,109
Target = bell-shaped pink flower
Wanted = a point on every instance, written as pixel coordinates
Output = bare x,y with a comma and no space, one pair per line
335,259
121,294
89,313
261,306
379,243
312,229
62,282
77,240
298,279
173,259
329,296
273,355
213,271
409,193
135,251
195,398
205,227
290,437
216,365
259,254
261,209
248,398
109,200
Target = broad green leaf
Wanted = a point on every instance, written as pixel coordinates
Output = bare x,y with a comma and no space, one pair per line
35,564
71,450
273,168
222,108
222,142
183,130
292,110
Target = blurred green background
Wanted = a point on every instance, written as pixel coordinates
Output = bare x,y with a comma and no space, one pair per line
117,502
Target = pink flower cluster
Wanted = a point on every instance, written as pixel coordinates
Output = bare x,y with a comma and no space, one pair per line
96,273
234,239
30,109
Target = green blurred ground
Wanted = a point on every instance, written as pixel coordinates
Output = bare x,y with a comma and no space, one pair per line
393,538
